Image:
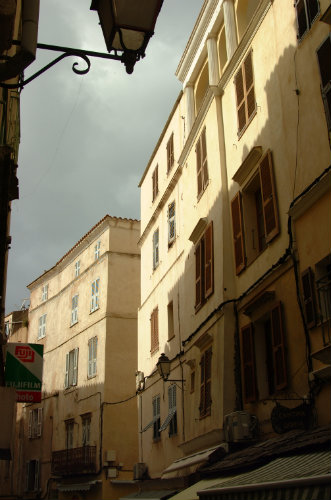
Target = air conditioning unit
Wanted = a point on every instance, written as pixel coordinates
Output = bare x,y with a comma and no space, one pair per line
110,455
111,473
240,426
139,470
140,381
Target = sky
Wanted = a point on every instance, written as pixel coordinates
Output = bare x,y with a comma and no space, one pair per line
86,140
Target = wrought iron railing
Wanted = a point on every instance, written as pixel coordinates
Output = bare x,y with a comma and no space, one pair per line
74,461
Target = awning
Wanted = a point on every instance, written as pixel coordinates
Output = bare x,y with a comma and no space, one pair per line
191,492
151,495
189,464
306,476
83,486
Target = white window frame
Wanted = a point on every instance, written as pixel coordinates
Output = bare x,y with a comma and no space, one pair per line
74,309
156,253
71,374
70,429
171,223
42,326
44,293
92,357
95,295
77,268
97,250
35,423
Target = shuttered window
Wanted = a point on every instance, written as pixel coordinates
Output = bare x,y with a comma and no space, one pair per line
324,58
307,280
170,153
35,423
155,182
42,326
156,249
71,375
278,347
307,12
202,164
238,233
32,475
248,364
95,295
204,267
155,330
205,383
245,94
171,223
270,212
74,309
156,417
92,357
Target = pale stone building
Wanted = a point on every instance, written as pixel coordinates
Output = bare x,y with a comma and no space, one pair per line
235,242
81,440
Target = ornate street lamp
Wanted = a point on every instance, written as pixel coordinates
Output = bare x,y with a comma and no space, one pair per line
127,26
163,367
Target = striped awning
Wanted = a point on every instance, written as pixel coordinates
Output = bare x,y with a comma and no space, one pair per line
83,486
299,477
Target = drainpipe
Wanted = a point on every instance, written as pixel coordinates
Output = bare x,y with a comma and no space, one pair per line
16,64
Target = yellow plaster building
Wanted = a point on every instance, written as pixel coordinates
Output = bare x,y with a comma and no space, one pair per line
235,239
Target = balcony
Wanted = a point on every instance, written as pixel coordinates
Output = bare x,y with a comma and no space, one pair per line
74,461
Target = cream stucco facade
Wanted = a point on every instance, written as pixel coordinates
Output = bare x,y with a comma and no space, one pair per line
227,234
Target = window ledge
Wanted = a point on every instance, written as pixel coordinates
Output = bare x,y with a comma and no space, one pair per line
73,324
96,309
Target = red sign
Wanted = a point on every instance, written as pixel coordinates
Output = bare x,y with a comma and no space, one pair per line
24,353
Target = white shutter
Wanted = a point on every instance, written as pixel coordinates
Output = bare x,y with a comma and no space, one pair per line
171,222
66,379
40,420
75,372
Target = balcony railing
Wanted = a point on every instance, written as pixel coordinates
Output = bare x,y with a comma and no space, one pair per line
74,461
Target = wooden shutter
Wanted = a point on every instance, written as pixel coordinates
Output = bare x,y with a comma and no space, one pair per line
307,279
248,364
238,233
249,86
30,424
324,58
170,153
269,201
66,378
302,18
278,347
155,182
240,94
202,385
204,163
209,261
39,422
198,275
205,382
171,222
75,370
199,167
36,475
155,249
313,10
155,330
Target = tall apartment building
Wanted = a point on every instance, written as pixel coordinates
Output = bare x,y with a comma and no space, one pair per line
81,440
235,242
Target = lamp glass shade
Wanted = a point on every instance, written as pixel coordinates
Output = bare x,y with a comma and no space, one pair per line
163,366
136,20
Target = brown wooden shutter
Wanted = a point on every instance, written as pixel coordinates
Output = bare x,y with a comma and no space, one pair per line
154,330
209,261
307,279
240,94
248,364
249,85
155,182
269,201
278,347
238,233
302,20
199,167
204,163
170,153
324,58
198,276
202,385
208,355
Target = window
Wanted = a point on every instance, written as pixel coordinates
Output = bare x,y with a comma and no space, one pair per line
204,267
35,423
86,429
42,326
205,383
97,250
323,286
171,326
74,309
324,57
170,153
44,293
254,213
155,182
171,419
156,417
155,330
307,12
71,368
70,425
92,357
95,295
7,328
244,85
77,268
156,249
263,367
202,165
171,223
307,279
32,475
